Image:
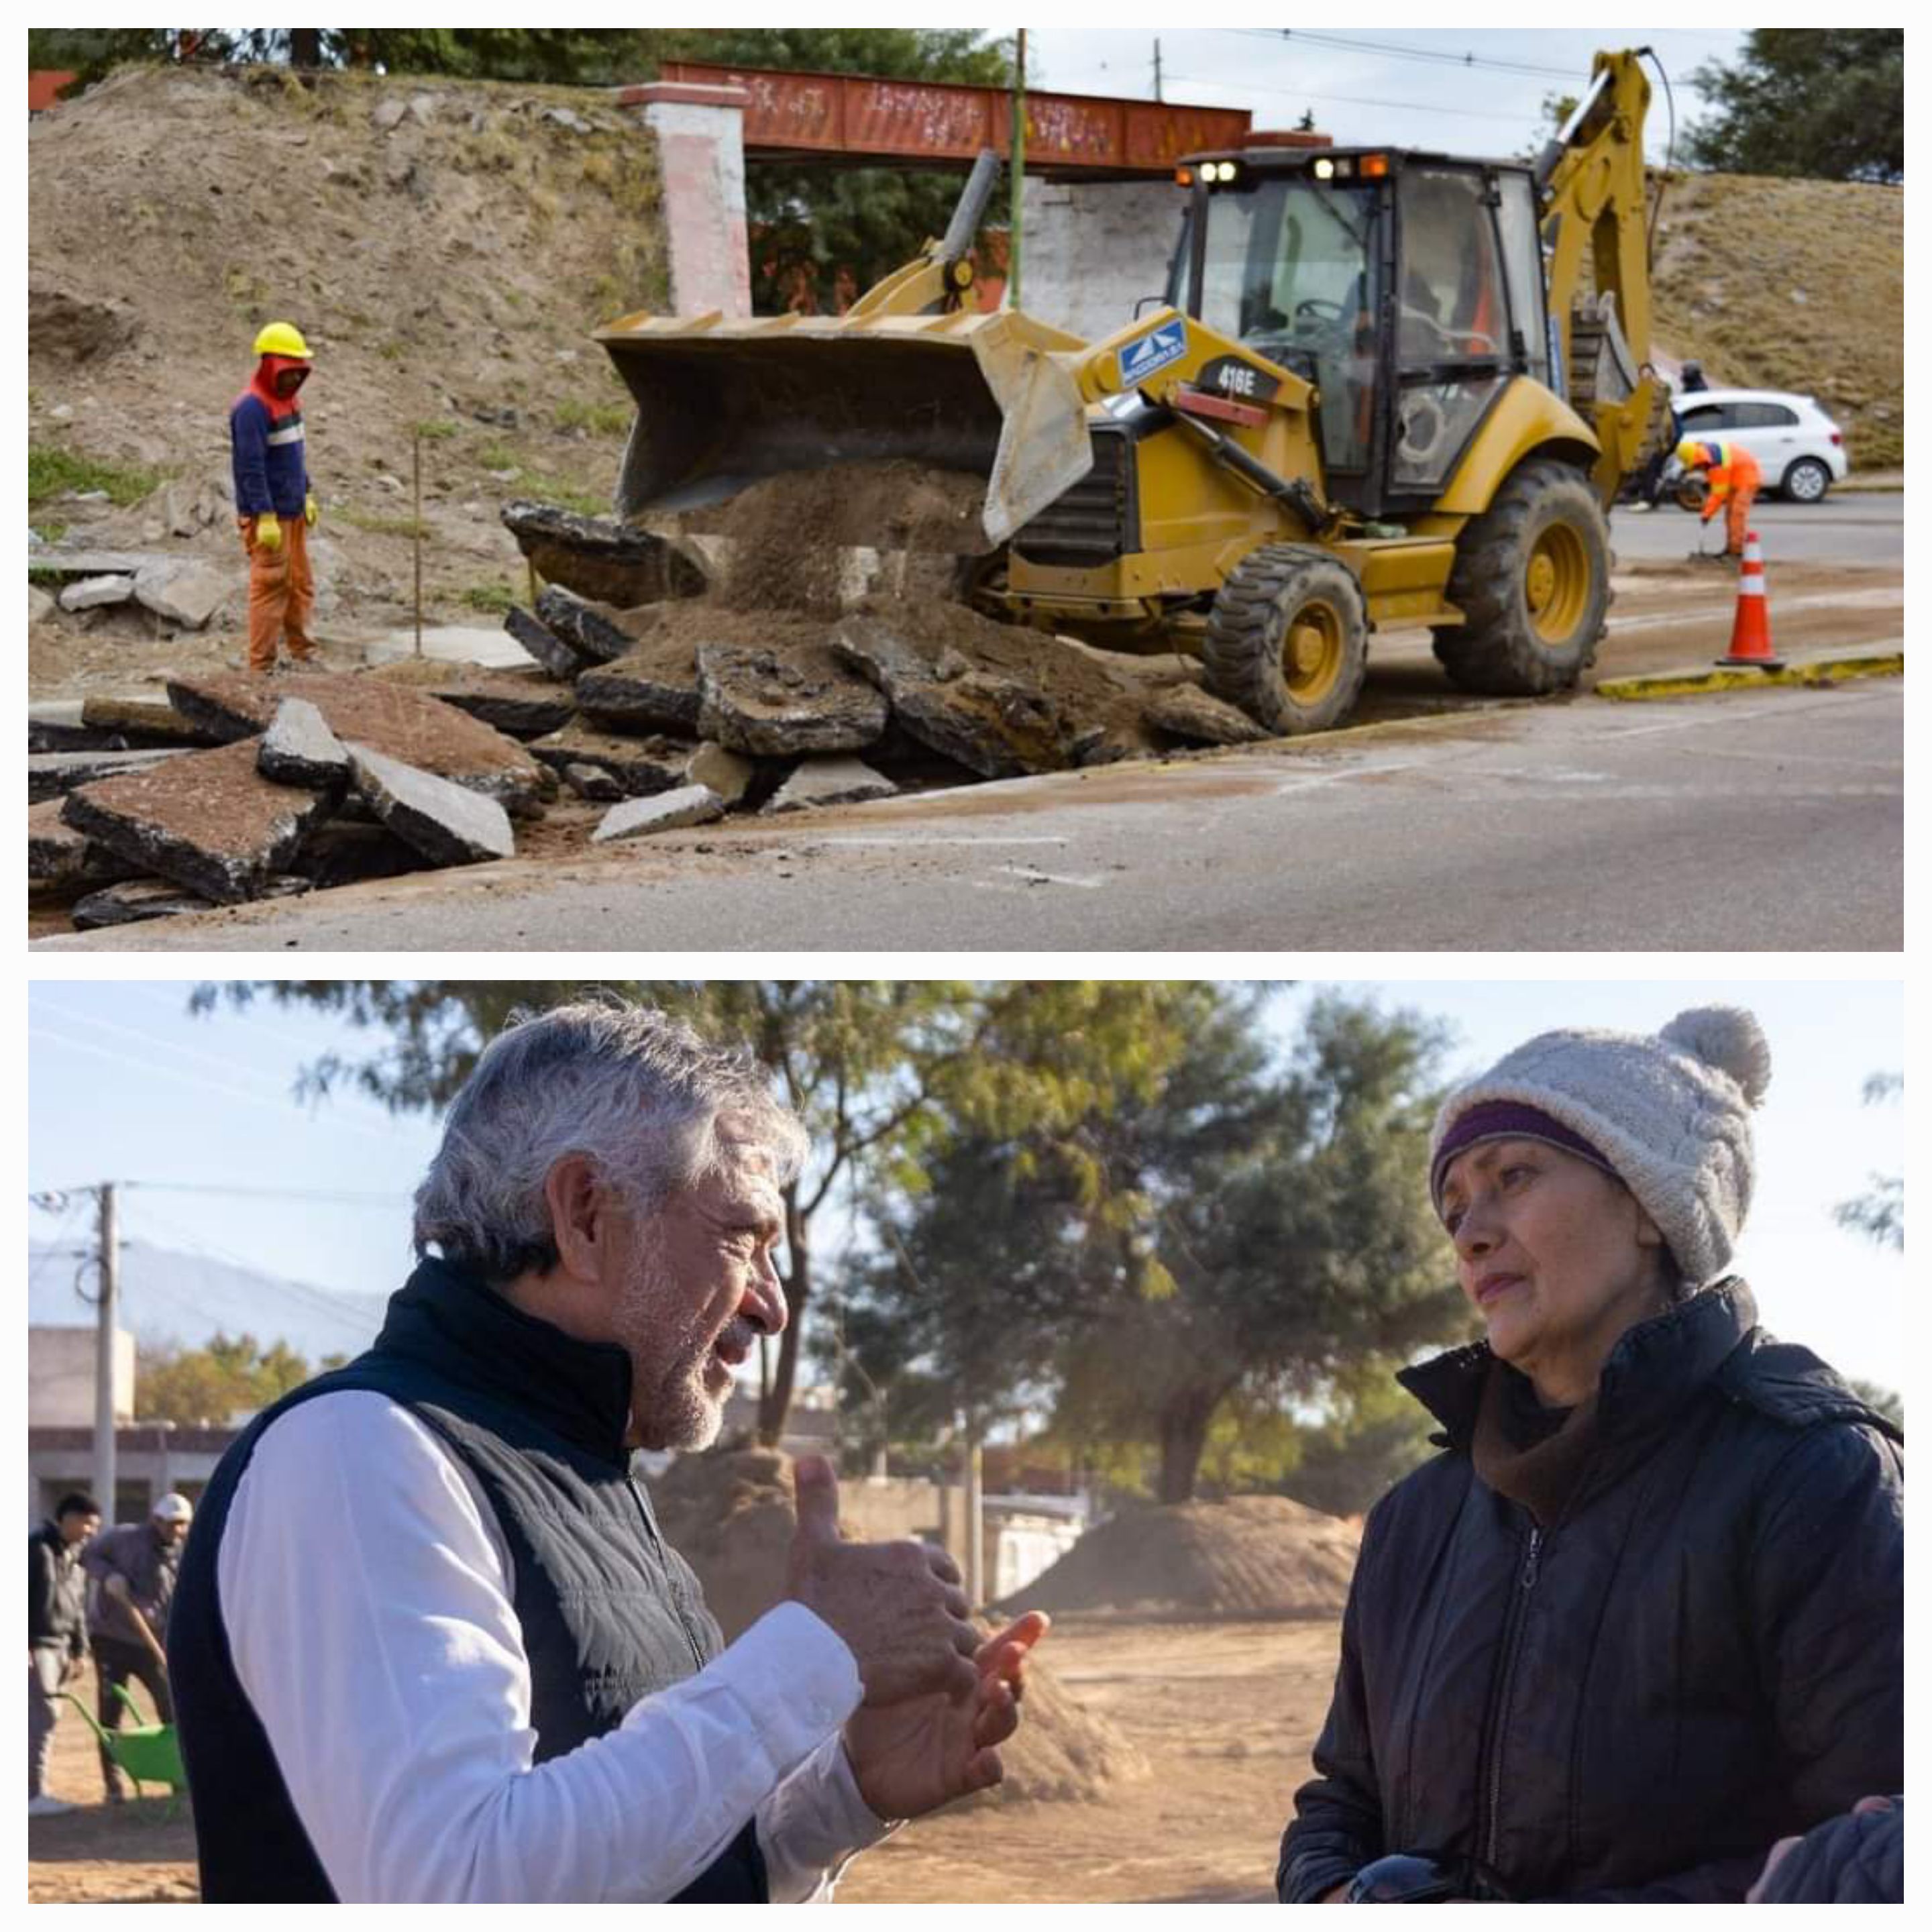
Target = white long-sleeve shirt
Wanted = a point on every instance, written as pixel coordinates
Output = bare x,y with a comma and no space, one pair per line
367,1593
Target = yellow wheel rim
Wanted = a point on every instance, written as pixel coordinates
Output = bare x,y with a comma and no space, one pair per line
1312,653
1556,586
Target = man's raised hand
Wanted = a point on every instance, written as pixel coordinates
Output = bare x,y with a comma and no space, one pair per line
898,1607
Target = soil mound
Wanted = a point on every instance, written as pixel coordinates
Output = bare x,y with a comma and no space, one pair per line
730,1516
1250,1557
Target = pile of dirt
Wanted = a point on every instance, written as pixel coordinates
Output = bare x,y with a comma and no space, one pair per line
1795,285
729,1514
1250,1557
446,246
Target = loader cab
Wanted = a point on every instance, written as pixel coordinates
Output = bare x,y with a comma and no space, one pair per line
1407,287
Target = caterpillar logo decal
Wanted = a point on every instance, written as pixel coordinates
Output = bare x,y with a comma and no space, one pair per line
1164,343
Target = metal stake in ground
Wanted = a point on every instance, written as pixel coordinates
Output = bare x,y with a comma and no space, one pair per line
415,524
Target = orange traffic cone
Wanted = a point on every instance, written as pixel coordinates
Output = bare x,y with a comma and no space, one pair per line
1751,629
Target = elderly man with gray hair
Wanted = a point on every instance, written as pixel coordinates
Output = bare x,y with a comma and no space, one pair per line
428,1643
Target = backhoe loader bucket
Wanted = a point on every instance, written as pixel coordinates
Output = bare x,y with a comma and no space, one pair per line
722,405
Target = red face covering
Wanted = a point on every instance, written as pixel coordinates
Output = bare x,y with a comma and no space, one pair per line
278,377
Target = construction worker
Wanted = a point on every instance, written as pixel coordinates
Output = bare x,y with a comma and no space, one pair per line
274,507
1733,475
1693,379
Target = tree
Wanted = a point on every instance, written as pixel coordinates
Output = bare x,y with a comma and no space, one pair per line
1826,102
881,1071
1879,1213
1234,1229
1887,1401
204,1387
1376,1433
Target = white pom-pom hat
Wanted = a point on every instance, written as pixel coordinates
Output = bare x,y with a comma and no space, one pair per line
1669,1114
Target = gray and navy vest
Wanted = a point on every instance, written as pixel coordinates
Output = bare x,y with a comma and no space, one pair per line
609,1613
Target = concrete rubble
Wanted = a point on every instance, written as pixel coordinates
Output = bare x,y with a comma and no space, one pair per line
158,899
390,719
771,706
640,766
186,594
449,824
819,781
1186,711
651,689
608,561
668,812
208,820
58,855
593,632
995,726
92,593
49,774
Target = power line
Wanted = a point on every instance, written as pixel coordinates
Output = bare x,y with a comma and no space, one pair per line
1355,99
1390,50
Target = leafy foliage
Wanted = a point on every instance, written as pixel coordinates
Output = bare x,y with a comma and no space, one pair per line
1233,1231
191,1386
1879,1213
1887,1402
1827,102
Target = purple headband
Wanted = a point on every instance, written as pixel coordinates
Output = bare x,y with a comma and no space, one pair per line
1508,1119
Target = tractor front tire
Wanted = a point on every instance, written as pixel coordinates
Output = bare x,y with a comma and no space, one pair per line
1287,639
1532,579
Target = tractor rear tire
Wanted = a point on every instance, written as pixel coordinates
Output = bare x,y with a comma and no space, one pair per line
1287,639
1532,579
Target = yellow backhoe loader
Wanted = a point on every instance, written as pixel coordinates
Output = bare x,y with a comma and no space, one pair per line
1385,388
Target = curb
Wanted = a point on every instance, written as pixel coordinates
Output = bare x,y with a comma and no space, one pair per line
1815,676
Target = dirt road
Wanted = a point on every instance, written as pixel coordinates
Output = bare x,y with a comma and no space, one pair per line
1224,1713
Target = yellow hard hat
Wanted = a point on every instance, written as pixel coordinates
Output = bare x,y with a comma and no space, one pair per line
1690,452
282,338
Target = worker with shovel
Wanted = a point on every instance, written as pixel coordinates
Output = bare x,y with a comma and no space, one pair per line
274,507
1735,479
132,1566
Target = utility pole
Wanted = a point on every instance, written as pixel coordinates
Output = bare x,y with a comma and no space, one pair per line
104,1314
1157,70
1016,168
976,1519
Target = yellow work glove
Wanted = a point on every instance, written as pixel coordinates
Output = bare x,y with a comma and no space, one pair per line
269,530
311,509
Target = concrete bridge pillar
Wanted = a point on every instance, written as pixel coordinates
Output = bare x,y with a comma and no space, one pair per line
699,130
1090,250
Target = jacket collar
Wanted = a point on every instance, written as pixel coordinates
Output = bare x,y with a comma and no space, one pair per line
1651,1372
458,1326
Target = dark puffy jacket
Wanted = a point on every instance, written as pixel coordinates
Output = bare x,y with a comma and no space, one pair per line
56,1593
1703,1654
1859,1859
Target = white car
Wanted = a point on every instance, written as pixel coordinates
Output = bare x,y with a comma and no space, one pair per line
1801,450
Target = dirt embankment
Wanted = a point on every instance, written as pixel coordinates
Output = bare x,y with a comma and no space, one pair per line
1796,285
446,247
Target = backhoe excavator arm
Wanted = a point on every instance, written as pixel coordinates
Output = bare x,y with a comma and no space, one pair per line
1590,178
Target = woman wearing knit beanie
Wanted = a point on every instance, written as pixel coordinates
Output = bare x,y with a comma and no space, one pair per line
1643,1616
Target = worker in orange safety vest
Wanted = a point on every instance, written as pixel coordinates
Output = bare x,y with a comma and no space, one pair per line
1735,479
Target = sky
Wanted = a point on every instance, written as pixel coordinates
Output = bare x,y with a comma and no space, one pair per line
198,1113
1465,90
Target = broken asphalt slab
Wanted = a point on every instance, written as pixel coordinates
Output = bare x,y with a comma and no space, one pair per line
299,749
448,824
992,725
51,773
208,820
776,704
641,766
390,719
651,687
669,811
520,704
835,781
601,558
137,899
58,855
594,634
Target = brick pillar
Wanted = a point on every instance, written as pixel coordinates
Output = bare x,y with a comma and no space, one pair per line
699,134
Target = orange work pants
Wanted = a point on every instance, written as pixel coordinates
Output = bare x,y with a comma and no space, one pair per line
1736,489
281,593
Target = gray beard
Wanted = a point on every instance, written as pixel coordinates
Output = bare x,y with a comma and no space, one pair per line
670,1407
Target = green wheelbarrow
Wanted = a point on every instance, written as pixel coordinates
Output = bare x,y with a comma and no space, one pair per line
148,1754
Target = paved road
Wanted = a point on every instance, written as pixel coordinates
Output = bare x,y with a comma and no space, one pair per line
1754,821
1854,526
